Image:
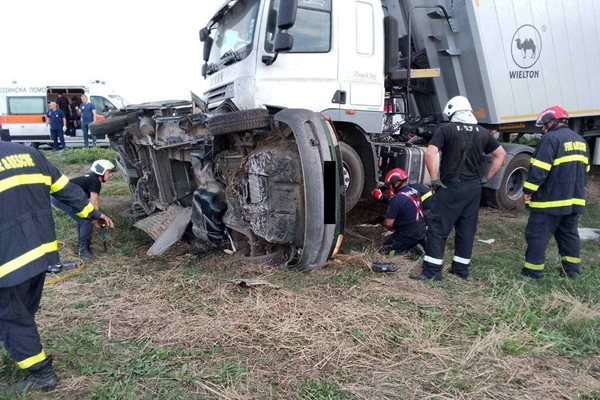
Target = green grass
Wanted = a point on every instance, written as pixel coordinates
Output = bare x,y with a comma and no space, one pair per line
172,327
80,156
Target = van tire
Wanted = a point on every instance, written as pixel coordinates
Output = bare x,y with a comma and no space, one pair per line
238,121
109,125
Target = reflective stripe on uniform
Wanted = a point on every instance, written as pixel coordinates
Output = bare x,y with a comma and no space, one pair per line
28,362
531,186
535,267
574,260
59,184
541,164
86,211
426,196
432,260
556,203
25,179
572,158
462,260
28,257
588,168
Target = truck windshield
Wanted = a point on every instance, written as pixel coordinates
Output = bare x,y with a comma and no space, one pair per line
233,33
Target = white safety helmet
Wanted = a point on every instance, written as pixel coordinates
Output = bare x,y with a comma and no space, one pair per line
457,103
99,167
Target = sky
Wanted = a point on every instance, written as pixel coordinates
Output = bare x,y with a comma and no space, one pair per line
144,50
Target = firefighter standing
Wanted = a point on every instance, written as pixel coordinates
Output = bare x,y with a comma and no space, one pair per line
555,194
456,202
404,216
29,245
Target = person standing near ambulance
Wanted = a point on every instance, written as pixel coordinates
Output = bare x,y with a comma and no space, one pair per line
57,120
456,201
28,247
554,193
87,112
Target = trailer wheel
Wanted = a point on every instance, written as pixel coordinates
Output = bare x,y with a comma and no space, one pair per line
238,121
508,196
109,125
354,175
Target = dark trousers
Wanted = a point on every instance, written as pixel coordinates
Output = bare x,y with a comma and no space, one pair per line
542,226
405,239
58,134
85,126
18,305
458,207
85,227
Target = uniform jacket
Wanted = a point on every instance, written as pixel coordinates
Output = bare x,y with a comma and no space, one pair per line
557,175
27,238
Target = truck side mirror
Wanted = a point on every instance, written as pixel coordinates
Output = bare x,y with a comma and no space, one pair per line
206,50
286,15
204,34
283,42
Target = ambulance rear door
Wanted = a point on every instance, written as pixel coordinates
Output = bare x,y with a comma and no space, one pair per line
24,114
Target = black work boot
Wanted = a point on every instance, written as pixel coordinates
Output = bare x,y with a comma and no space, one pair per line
42,379
570,273
530,273
84,250
423,277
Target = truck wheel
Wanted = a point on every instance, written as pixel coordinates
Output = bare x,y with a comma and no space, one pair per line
238,121
508,196
354,175
109,125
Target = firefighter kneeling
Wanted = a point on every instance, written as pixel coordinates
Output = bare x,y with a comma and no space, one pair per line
555,194
404,215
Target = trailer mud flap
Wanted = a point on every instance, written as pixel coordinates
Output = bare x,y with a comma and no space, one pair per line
323,216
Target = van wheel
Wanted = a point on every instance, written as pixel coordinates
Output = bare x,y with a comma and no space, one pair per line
109,125
238,121
354,175
509,194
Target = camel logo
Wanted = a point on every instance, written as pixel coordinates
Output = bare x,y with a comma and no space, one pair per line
526,46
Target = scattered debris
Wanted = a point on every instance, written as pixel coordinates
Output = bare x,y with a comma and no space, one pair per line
384,267
589,234
246,283
486,241
369,226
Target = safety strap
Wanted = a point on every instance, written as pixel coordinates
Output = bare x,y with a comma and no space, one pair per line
413,196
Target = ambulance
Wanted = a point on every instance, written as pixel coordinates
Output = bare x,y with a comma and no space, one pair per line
23,109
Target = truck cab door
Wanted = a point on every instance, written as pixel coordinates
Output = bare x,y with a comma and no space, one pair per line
361,58
305,77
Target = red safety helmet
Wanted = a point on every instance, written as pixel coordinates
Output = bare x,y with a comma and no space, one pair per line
396,175
550,114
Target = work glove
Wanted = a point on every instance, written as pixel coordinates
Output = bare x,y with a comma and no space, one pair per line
64,128
377,194
484,180
437,183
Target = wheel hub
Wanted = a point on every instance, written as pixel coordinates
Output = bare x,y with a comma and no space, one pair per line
346,172
515,182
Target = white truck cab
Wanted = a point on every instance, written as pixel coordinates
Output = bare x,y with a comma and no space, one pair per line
23,109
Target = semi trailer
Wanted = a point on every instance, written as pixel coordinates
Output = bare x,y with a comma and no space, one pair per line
310,102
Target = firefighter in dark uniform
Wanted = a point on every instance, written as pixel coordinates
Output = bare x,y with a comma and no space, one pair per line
404,216
555,194
458,187
27,180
